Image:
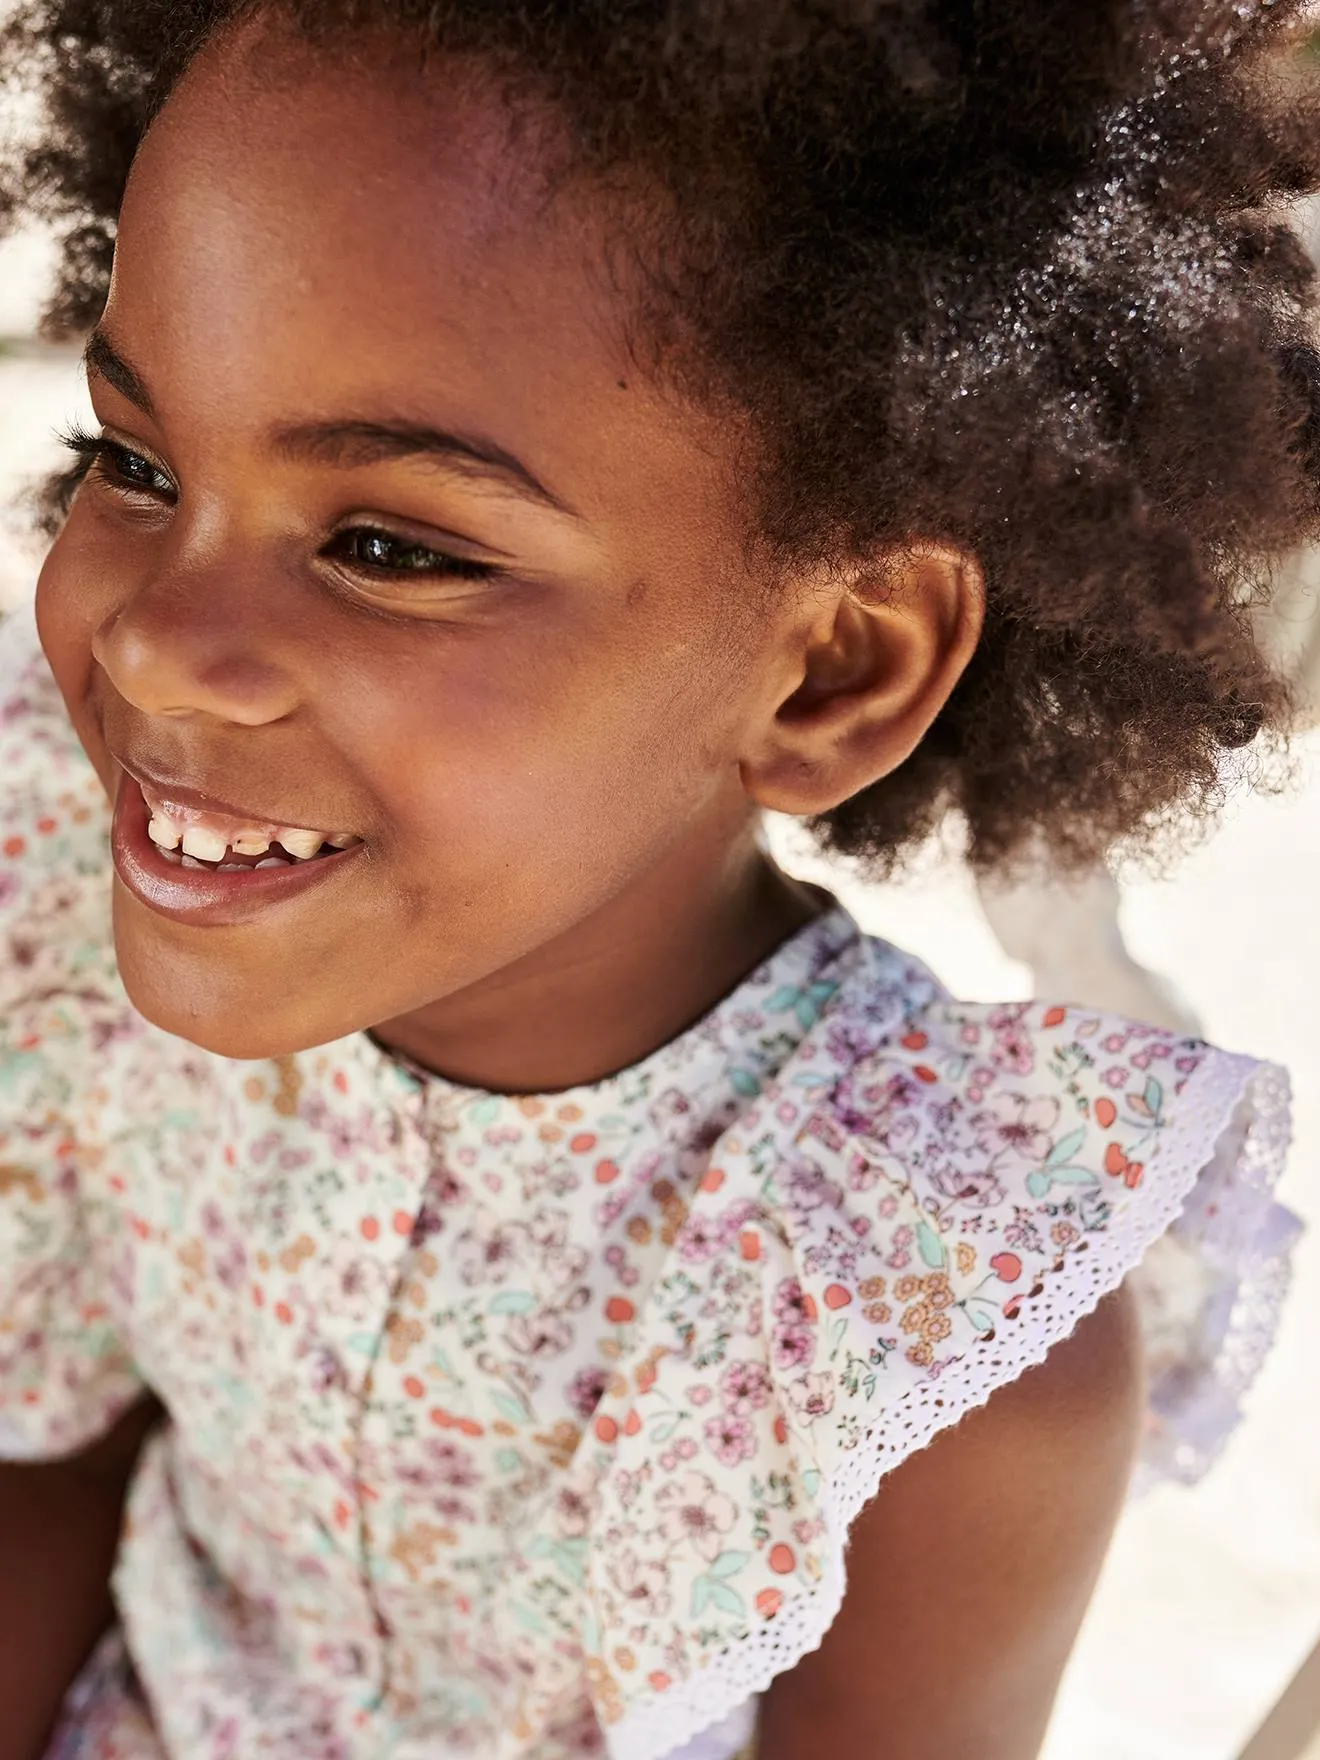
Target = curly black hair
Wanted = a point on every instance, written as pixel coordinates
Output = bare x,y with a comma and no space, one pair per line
1007,273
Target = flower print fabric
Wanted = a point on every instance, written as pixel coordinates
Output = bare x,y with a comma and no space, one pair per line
532,1428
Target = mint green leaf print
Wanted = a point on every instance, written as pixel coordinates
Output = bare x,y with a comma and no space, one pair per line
1074,1176
1065,1148
726,1599
785,997
662,1431
728,1564
708,1591
980,1315
570,1555
512,1301
486,1111
1154,1096
1038,1184
508,1460
930,1246
811,1481
510,1409
745,1083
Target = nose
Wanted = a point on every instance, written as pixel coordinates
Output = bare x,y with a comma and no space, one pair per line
194,643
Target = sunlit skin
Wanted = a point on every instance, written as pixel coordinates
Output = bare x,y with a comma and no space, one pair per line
558,762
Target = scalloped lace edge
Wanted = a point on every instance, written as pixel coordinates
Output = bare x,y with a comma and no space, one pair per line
716,1692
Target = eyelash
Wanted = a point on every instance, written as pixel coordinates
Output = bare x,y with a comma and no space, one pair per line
111,462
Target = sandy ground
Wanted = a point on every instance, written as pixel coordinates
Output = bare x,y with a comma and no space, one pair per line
1210,1598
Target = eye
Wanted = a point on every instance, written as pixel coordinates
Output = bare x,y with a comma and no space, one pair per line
374,552
119,467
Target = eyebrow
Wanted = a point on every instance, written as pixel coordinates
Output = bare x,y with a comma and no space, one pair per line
349,442
102,361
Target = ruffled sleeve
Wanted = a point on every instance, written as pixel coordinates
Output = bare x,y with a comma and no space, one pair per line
928,1199
64,1374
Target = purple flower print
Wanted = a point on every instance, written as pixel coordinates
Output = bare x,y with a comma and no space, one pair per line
793,1346
452,1511
1013,1050
745,1387
790,1304
731,1440
450,1464
573,1512
482,1258
807,1188
1022,1232
669,1114
360,1282
702,1238
1019,1127
692,1510
586,1389
539,1335
643,1583
978,1189
812,1396
343,1660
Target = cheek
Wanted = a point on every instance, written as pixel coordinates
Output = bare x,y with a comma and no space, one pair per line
515,759
75,597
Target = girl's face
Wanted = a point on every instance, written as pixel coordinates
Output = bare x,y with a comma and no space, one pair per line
392,554
392,543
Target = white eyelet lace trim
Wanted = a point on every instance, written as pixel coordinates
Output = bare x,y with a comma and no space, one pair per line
1208,1107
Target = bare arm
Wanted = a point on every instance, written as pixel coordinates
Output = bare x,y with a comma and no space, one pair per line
59,1530
969,1574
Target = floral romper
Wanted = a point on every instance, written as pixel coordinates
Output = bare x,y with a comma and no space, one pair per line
532,1428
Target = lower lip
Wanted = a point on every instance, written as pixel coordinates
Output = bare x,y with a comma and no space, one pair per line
204,895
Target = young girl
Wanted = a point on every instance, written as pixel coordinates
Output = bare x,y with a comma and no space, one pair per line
529,1276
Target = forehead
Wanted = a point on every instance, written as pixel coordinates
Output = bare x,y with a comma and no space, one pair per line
304,226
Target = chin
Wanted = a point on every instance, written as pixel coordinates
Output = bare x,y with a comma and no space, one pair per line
191,999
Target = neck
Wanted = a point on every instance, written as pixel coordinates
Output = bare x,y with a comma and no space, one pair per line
615,988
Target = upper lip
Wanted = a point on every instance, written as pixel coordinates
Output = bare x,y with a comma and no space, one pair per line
183,796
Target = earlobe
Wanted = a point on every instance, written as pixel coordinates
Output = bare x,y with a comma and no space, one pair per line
874,669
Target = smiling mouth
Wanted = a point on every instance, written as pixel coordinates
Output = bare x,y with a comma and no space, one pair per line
204,837
243,868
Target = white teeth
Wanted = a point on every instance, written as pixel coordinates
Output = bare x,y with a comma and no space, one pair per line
189,862
206,845
232,868
274,862
250,843
303,844
344,840
163,832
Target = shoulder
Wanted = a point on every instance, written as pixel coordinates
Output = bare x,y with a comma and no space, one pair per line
1068,1425
975,1561
1043,1463
959,1185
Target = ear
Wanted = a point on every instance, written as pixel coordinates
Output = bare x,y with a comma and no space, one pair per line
870,664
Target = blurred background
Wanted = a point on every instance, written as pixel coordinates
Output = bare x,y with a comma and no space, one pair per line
1210,1600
